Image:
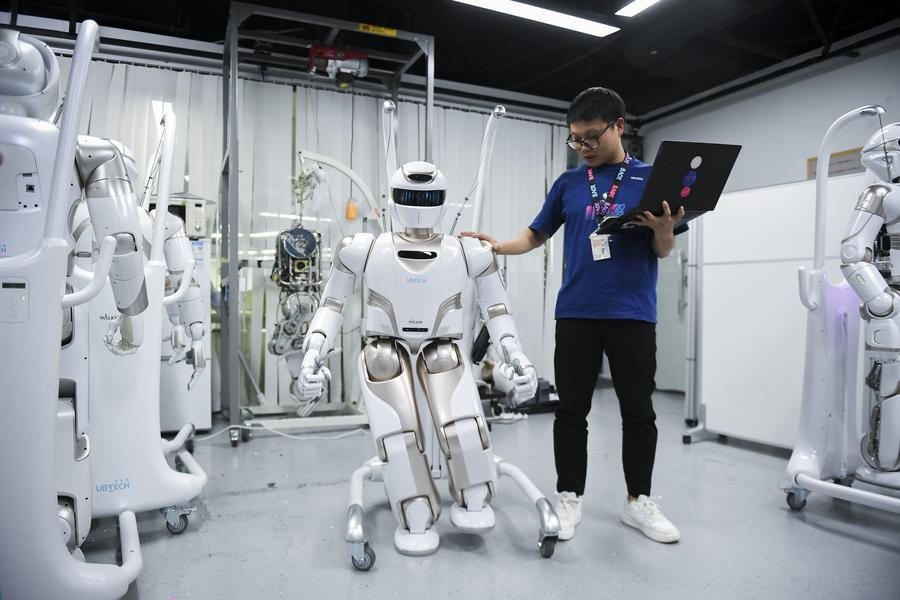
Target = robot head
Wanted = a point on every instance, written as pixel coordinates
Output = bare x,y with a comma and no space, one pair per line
881,154
417,195
29,76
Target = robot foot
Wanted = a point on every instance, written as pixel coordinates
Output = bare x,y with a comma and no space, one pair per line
416,544
477,516
472,521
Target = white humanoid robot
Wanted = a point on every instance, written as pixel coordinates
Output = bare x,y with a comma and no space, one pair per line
828,446
415,283
865,265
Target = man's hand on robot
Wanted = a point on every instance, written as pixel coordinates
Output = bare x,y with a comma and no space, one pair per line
495,245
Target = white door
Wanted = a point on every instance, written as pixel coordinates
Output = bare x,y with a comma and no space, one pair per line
671,312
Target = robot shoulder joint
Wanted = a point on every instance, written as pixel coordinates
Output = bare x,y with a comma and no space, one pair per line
352,252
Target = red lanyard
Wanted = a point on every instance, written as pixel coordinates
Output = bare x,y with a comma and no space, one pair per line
602,205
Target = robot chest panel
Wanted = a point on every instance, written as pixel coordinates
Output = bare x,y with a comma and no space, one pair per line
415,289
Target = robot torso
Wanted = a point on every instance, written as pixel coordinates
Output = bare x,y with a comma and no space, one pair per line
415,288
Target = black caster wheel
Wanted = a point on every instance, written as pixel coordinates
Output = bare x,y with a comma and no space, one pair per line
234,435
497,410
795,502
178,529
547,546
189,446
368,560
245,435
690,422
686,440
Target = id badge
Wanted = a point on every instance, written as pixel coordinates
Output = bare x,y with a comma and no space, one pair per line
600,246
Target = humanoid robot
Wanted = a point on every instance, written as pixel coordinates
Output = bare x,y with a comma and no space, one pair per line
830,456
415,284
872,268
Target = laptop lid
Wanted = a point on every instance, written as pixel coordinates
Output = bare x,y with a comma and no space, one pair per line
689,174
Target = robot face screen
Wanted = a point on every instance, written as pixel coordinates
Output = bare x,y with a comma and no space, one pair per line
419,198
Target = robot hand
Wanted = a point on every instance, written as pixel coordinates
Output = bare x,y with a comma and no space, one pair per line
125,335
179,347
196,358
313,374
524,377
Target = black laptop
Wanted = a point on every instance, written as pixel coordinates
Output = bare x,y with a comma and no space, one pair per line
689,174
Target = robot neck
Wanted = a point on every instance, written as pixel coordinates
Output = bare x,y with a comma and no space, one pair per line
418,233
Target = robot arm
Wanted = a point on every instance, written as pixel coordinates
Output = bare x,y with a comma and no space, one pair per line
190,313
325,326
493,301
114,212
875,204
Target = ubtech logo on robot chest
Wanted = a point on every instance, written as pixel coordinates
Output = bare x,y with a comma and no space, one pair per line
416,279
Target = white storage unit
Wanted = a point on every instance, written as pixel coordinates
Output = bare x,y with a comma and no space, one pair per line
751,328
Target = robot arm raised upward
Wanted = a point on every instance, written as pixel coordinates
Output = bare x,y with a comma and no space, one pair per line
877,204
113,208
493,302
325,326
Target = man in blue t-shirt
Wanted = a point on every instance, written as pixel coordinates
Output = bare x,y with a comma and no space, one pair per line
607,304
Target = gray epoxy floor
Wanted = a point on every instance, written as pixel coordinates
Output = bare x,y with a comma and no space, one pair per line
270,524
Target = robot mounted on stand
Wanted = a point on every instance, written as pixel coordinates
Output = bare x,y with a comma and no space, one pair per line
37,192
827,446
420,291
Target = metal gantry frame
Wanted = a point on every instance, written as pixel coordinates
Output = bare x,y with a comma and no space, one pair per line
233,56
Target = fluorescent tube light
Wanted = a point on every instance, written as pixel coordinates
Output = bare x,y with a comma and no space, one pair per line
633,8
542,15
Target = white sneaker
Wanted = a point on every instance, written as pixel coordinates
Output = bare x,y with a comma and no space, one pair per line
568,509
644,514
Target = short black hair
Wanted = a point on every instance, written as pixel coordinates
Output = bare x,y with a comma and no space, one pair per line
596,103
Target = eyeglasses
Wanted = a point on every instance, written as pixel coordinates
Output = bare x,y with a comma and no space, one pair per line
591,142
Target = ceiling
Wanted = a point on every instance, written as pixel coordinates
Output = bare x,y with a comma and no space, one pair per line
670,52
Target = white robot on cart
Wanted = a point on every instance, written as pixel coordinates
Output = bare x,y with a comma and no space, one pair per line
827,447
415,285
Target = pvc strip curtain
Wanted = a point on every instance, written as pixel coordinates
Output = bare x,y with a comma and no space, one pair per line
125,102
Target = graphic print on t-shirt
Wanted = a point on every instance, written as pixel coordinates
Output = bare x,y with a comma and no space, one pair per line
615,210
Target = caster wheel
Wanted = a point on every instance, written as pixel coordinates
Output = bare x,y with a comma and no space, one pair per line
366,563
245,435
497,410
189,446
795,502
547,546
686,440
234,443
690,422
178,529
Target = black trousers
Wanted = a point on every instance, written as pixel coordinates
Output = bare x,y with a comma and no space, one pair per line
630,348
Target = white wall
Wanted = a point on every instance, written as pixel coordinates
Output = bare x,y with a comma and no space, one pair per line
781,123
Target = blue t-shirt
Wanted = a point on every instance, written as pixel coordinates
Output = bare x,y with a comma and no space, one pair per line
621,287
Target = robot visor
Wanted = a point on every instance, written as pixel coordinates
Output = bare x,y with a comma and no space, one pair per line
419,198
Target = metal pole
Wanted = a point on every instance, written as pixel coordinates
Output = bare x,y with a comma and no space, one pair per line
429,104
